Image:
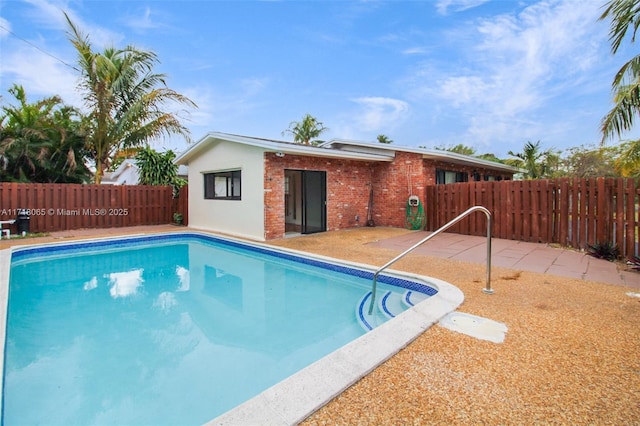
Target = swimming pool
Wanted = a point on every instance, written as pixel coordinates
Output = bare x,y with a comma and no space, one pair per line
188,331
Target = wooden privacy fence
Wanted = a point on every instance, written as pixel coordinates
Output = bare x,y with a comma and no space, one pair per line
59,207
569,211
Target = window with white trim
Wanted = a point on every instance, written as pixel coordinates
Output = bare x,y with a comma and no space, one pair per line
223,185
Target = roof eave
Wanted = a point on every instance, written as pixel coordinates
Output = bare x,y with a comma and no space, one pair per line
466,160
276,146
446,156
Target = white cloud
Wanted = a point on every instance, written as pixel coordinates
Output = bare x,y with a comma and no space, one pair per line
414,51
442,6
218,107
515,68
40,74
379,113
50,15
146,19
125,284
6,26
143,22
43,68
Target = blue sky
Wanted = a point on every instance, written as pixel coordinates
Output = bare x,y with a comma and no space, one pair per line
488,74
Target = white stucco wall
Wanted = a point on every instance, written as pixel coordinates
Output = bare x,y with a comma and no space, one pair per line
245,217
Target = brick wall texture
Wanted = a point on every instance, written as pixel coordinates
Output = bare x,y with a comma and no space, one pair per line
348,186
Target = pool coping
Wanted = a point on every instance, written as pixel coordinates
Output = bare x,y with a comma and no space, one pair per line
296,397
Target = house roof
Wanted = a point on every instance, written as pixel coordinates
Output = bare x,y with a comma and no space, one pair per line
339,148
429,154
128,163
270,145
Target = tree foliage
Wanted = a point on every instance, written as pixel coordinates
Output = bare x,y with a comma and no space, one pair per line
628,161
590,162
536,163
384,139
458,149
490,157
127,101
306,131
625,21
157,168
43,141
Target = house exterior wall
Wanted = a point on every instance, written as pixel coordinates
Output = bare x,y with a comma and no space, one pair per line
394,182
260,214
242,217
348,188
469,170
348,184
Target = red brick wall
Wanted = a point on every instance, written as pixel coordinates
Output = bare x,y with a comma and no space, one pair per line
348,188
347,191
273,196
393,184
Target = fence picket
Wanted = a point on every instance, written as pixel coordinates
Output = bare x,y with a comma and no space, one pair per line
59,207
574,212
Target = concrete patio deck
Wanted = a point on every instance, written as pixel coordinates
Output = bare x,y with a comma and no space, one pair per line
518,255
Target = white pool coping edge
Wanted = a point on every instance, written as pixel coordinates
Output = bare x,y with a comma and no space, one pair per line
5,265
292,400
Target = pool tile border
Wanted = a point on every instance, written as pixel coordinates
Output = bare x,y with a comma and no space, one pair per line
120,242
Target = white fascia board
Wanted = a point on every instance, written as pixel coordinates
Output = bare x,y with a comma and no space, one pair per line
456,158
277,146
184,157
429,154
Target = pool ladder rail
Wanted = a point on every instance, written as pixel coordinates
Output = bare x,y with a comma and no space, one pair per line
487,289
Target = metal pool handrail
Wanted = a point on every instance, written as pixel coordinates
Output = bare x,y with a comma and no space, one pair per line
443,228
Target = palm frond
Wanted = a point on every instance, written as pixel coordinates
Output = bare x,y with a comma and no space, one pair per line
621,117
624,17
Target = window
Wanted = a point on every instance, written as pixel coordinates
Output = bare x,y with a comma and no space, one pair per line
448,176
222,185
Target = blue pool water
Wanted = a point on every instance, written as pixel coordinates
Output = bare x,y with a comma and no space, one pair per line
170,329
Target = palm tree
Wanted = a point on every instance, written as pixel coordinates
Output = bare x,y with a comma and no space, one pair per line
533,160
41,141
126,99
625,18
306,131
459,149
384,139
69,155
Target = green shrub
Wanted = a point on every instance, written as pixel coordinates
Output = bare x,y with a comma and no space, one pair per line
607,251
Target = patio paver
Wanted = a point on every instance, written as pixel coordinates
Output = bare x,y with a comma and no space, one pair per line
534,257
